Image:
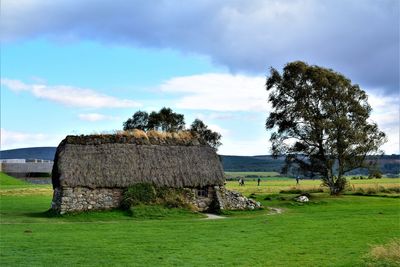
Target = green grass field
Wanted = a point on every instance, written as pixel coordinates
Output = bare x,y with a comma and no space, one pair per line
328,231
273,185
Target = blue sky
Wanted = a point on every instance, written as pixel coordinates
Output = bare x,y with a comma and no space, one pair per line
79,67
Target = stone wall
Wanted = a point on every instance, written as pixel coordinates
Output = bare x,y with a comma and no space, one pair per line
201,199
231,200
78,199
67,200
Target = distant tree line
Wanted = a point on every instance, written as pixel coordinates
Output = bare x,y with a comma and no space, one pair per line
386,164
168,121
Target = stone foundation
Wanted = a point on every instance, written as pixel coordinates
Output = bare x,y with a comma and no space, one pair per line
78,199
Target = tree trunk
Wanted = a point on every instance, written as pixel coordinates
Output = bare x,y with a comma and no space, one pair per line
337,185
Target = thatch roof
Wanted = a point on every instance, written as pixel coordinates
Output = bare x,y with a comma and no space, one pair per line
120,161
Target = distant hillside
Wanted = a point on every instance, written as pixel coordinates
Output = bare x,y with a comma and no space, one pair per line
387,164
252,163
29,153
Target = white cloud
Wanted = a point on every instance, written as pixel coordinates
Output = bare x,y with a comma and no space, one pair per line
215,116
393,144
97,117
69,95
14,139
216,128
256,146
385,112
15,85
218,92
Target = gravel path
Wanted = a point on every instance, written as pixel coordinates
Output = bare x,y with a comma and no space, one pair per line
213,217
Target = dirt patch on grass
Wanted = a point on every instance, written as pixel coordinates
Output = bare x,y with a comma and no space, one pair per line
213,217
274,211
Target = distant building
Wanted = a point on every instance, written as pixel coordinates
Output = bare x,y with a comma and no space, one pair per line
26,167
12,160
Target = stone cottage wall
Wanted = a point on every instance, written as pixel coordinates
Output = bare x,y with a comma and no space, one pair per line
201,202
78,199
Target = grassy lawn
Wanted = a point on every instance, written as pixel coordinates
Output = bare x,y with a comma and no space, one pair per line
275,185
328,231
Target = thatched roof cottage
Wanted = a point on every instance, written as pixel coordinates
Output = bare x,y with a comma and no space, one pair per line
91,172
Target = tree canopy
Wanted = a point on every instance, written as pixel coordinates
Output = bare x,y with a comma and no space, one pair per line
165,120
321,122
139,121
168,121
212,138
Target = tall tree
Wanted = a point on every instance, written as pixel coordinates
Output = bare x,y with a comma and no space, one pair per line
212,138
170,121
154,121
139,121
164,120
321,122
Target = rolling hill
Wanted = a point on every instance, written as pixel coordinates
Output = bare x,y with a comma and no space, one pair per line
388,164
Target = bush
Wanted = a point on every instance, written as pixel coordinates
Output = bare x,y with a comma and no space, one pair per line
173,197
144,193
371,191
375,174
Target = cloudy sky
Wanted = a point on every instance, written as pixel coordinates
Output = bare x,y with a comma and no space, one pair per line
80,67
